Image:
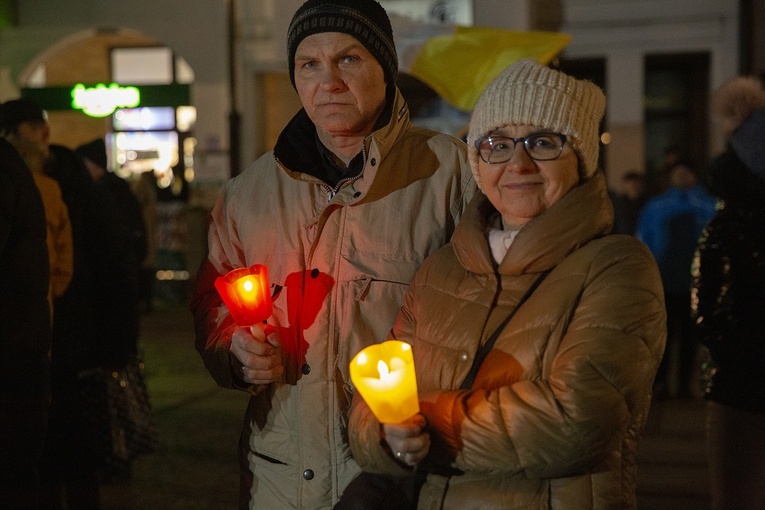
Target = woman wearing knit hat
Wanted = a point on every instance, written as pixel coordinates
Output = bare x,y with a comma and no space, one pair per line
350,201
551,417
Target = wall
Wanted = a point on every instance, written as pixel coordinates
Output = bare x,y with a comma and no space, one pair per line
620,31
623,33
194,29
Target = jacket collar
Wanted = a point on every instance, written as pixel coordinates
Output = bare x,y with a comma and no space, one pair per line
585,213
296,150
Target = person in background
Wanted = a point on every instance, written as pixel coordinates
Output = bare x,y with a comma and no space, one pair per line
728,298
145,190
25,126
554,416
69,467
670,156
120,310
123,241
25,332
670,225
94,156
350,201
628,202
59,237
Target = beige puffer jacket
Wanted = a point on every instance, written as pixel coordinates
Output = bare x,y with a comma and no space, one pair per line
343,261
555,414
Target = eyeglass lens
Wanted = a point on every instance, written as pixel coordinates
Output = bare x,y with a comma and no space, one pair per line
539,146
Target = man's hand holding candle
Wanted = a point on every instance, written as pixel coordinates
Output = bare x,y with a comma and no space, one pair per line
255,344
257,357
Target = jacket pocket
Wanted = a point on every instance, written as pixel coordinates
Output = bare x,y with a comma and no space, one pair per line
369,304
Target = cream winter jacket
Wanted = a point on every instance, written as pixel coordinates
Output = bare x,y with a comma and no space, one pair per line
555,415
342,260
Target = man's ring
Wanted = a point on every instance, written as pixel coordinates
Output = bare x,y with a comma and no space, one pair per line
243,369
399,455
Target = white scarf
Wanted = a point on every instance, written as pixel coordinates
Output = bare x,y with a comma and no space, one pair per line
501,239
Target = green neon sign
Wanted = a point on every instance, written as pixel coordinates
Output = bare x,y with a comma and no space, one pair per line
102,100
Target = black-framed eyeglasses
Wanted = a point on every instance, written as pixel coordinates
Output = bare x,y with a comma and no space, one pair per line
539,147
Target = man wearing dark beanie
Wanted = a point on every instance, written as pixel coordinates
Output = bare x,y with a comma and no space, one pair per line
364,20
350,201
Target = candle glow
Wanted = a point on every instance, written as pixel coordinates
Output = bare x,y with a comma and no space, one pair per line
384,375
246,294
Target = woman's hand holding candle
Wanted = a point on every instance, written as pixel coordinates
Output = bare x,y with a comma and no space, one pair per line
409,442
384,376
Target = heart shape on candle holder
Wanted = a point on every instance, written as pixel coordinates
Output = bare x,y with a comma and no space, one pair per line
384,375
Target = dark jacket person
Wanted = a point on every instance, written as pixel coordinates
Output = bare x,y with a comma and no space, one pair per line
25,331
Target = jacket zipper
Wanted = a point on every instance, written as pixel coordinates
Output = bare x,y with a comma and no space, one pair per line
331,192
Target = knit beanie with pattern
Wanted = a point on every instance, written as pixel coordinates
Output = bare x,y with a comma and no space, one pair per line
366,20
528,92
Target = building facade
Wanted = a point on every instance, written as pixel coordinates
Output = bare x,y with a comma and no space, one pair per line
657,60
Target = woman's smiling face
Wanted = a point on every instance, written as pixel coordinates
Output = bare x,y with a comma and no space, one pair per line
523,188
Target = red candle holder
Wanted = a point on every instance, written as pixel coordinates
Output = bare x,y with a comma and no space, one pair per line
246,293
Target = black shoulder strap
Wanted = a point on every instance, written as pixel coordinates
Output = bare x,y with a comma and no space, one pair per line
485,348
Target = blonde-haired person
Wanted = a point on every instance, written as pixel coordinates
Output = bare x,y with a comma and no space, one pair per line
728,302
735,100
554,417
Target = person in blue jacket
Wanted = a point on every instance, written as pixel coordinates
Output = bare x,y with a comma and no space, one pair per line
670,225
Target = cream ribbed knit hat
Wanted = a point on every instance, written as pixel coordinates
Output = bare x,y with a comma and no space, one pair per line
528,92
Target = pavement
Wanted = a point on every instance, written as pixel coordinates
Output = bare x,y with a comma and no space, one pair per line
195,467
672,465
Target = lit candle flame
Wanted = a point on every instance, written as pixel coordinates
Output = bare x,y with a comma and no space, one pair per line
244,291
384,376
383,369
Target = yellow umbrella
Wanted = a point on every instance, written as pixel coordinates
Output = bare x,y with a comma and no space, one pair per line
460,66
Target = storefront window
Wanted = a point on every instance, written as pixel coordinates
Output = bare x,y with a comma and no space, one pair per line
676,109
